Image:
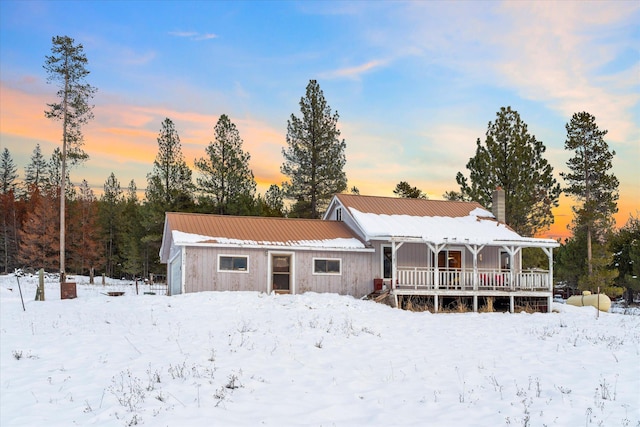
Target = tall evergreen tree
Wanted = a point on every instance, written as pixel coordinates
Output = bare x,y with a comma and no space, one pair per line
589,180
625,246
8,229
8,172
225,174
40,246
35,173
513,159
403,189
274,201
314,158
169,188
170,183
54,176
85,251
133,263
67,68
111,219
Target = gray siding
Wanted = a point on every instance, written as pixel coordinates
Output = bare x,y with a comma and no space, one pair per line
201,271
419,255
355,278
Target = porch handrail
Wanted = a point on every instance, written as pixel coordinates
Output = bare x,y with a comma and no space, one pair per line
487,278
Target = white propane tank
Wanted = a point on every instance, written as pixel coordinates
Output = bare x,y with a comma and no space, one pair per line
599,301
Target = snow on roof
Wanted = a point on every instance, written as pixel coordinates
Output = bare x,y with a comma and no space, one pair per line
478,227
181,238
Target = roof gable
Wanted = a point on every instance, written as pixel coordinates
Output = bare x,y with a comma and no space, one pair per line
434,221
407,206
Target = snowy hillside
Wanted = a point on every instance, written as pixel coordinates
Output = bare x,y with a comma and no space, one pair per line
253,359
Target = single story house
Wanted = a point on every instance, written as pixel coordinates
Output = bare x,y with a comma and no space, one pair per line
443,252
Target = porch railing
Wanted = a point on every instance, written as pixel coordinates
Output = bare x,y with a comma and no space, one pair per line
467,279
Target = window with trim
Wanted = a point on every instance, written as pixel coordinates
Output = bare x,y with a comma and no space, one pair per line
326,266
233,263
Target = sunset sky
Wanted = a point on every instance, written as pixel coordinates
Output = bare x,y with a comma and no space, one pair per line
415,83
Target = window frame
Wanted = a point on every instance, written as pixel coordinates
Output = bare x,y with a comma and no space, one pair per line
327,273
232,270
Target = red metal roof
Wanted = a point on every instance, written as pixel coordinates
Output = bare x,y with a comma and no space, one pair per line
406,206
258,229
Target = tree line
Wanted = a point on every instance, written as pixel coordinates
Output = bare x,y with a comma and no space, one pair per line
120,235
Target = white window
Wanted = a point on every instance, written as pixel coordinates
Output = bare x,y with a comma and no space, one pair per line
327,266
237,263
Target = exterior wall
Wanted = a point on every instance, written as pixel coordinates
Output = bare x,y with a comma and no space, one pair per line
355,278
201,271
174,275
419,255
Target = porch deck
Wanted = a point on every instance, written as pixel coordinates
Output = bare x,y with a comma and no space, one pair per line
438,283
429,279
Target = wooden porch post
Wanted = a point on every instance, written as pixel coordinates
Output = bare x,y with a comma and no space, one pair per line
511,250
549,252
475,250
394,272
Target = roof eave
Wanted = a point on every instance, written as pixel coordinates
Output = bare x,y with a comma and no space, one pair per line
272,247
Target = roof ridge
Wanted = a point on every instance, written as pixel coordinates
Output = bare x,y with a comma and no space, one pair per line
407,198
258,217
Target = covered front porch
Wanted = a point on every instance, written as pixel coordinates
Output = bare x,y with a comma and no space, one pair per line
472,271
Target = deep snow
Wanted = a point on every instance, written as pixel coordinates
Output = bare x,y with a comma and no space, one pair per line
240,358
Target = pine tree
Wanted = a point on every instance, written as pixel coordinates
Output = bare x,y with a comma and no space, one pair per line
225,174
133,263
511,158
589,180
455,196
169,189
314,158
625,246
404,190
274,201
170,184
35,173
570,260
54,174
67,68
111,220
40,246
85,251
8,172
8,230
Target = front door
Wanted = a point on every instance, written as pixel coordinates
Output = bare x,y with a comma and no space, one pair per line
451,263
281,273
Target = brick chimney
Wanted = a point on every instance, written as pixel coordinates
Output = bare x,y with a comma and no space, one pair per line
498,206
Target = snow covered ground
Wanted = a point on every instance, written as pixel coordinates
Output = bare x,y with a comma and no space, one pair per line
240,358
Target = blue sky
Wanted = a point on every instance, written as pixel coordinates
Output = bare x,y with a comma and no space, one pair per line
415,83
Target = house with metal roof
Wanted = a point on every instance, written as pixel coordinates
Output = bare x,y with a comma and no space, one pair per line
265,254
442,252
